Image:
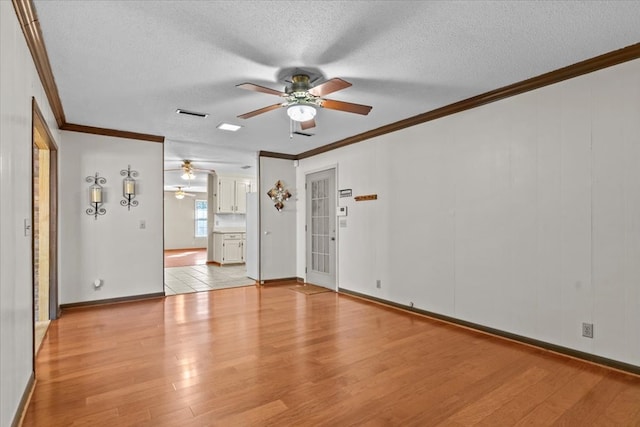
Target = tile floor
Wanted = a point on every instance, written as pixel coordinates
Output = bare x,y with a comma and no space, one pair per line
197,278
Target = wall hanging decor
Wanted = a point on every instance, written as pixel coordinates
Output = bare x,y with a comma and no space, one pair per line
279,195
129,187
96,195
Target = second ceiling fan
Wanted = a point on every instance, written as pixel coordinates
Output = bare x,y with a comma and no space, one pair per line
188,170
301,99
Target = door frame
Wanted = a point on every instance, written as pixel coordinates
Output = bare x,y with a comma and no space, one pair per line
39,126
307,243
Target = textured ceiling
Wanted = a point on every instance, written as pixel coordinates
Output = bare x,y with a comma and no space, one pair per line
129,65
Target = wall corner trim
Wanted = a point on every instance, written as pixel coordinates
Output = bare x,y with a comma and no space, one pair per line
558,349
88,304
285,281
24,401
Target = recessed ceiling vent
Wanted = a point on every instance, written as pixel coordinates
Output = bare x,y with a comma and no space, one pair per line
191,113
303,133
245,167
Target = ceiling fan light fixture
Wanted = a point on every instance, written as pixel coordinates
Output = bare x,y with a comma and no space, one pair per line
179,193
188,175
301,112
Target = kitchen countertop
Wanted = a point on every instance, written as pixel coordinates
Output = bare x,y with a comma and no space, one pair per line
230,231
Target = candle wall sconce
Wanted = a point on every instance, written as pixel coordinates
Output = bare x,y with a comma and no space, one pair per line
129,188
279,195
95,195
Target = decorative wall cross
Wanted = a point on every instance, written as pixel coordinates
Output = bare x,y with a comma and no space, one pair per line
279,195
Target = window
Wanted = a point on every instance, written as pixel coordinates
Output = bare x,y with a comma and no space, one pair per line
201,218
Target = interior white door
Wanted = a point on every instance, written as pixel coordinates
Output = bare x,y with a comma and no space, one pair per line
321,228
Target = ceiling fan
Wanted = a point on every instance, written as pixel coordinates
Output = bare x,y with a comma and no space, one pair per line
301,99
180,194
188,170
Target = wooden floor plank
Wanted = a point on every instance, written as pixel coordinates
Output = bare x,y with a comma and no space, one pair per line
472,414
185,257
274,357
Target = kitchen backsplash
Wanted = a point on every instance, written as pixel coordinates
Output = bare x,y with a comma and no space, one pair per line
222,221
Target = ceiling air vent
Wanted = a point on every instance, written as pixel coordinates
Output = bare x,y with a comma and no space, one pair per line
191,113
303,133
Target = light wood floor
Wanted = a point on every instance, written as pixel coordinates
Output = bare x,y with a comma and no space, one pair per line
185,257
276,357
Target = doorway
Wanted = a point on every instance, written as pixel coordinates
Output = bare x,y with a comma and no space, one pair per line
44,227
188,245
321,228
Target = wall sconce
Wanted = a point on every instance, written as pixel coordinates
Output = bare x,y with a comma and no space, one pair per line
129,188
279,195
95,195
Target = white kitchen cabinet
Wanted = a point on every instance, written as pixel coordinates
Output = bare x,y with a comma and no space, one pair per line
228,248
231,194
226,195
242,188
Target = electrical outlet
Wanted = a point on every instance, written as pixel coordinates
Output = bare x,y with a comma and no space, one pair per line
378,284
587,330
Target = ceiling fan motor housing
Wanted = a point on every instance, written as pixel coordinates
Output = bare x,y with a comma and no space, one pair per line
299,91
300,83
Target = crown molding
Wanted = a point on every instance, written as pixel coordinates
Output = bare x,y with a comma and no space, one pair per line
610,59
112,132
31,28
277,155
30,25
28,19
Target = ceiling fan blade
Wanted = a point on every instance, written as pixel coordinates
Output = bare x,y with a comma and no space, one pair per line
346,106
260,111
308,124
329,86
258,88
203,170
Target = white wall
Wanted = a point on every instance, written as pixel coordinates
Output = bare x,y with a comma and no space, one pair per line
278,229
19,82
522,215
179,222
113,247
